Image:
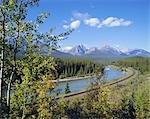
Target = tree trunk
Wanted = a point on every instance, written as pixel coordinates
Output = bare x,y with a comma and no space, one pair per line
8,92
1,79
2,59
14,65
0,92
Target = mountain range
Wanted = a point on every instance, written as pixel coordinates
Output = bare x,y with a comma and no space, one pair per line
105,53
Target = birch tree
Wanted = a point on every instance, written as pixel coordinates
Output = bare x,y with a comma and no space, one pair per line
22,42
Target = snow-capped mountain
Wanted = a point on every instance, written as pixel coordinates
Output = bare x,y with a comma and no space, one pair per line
105,50
91,50
138,52
66,49
124,50
78,50
104,54
110,50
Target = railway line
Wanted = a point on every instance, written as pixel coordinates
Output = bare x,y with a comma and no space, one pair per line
134,74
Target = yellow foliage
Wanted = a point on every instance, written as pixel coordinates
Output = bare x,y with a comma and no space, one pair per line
11,2
50,85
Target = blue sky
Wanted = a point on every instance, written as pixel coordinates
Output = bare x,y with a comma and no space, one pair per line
118,23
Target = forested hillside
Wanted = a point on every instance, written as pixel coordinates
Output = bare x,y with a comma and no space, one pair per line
76,67
139,63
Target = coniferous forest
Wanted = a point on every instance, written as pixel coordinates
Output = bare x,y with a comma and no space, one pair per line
76,67
138,63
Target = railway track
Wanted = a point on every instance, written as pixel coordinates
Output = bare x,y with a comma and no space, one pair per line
133,75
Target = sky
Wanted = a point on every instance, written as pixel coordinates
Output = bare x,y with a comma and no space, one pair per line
118,23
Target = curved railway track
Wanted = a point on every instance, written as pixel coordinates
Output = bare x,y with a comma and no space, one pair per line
134,73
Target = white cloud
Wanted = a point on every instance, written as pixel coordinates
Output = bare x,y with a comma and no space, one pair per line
65,26
75,24
92,21
126,23
114,22
99,26
107,21
80,16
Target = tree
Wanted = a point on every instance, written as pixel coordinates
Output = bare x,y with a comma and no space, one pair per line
3,35
100,71
102,105
21,47
67,89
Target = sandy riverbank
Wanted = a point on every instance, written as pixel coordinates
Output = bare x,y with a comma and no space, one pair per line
71,79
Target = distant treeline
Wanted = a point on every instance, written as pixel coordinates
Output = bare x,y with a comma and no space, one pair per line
140,63
75,67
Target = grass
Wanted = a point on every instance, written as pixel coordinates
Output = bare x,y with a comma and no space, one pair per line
140,83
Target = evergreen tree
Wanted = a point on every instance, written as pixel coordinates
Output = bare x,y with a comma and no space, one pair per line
67,88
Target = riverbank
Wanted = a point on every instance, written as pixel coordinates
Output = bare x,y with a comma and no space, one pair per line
82,77
71,79
131,74
84,84
123,69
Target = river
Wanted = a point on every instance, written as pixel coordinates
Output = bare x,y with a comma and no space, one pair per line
77,85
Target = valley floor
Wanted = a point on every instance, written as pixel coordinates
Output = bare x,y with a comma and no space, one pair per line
128,99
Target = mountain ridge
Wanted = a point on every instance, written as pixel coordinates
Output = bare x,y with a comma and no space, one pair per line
105,53
81,49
